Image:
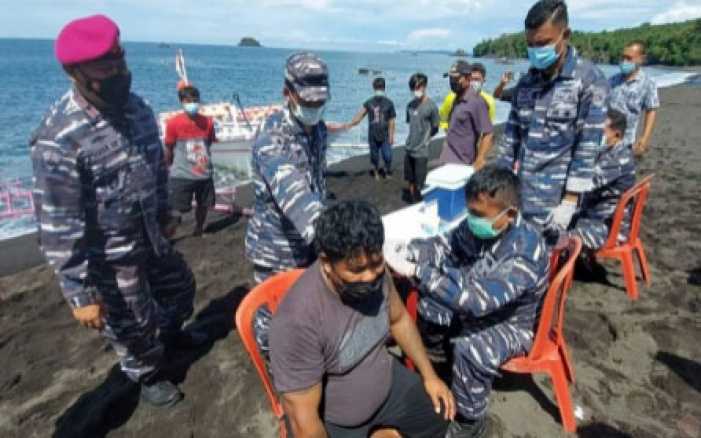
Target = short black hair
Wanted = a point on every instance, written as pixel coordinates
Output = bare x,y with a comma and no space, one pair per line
478,66
618,120
378,84
418,80
545,11
189,92
349,229
498,182
639,43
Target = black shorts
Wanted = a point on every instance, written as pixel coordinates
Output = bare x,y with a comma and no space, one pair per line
408,409
415,170
182,190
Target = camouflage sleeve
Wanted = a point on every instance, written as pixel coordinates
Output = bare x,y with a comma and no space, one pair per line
652,98
61,217
478,294
162,188
292,194
510,141
590,125
432,254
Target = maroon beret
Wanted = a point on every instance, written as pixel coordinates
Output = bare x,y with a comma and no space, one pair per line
86,39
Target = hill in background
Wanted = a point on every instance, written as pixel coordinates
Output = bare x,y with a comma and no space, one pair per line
676,44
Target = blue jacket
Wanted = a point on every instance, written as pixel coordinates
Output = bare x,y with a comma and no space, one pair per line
484,281
100,190
289,169
553,134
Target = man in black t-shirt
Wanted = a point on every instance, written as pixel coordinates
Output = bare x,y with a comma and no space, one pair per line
381,117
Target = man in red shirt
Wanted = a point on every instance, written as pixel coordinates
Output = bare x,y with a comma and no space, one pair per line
189,137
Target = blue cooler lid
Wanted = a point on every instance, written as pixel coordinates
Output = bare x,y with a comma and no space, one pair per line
449,176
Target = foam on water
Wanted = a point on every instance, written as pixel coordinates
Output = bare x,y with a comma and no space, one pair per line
33,81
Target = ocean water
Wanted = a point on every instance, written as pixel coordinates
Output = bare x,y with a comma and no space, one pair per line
31,80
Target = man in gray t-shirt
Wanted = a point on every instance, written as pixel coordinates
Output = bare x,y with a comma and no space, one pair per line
423,119
328,340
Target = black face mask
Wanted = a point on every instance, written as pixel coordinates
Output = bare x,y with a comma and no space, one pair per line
361,291
114,91
455,85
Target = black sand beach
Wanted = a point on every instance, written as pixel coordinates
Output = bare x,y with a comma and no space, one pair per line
637,364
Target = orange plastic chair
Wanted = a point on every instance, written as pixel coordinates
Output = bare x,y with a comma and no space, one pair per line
623,252
270,292
549,352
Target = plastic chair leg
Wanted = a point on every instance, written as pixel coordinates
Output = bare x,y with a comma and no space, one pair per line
283,428
644,266
565,358
562,395
629,274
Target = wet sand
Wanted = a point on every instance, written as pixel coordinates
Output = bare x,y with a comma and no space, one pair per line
637,365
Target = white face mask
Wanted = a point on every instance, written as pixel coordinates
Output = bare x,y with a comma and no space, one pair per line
419,94
379,93
306,115
476,86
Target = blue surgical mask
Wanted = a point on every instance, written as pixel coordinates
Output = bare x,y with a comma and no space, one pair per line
308,116
542,58
483,228
627,67
191,108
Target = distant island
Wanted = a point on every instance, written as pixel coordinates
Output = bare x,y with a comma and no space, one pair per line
675,44
460,53
249,42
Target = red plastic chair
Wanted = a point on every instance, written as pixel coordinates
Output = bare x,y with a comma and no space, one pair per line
623,252
270,292
549,352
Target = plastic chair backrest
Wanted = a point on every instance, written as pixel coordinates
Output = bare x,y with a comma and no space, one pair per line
550,323
638,196
270,292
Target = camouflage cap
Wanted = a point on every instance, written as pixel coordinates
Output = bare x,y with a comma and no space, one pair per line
308,76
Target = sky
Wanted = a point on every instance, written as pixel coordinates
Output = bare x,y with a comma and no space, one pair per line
358,25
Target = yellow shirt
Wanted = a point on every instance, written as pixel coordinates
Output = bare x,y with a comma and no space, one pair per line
447,105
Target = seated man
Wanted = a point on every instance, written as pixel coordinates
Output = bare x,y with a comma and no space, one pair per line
481,286
614,174
329,362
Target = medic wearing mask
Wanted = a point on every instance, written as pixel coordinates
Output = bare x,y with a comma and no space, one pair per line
480,287
553,134
289,166
103,213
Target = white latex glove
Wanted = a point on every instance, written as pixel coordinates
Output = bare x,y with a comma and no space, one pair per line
397,257
562,214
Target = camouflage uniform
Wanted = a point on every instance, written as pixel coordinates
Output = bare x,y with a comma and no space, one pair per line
632,98
614,175
100,189
553,134
289,169
490,292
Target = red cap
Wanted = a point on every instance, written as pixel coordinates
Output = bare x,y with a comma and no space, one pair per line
86,39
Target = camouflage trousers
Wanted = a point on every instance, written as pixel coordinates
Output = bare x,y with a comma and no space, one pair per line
476,355
593,233
144,302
